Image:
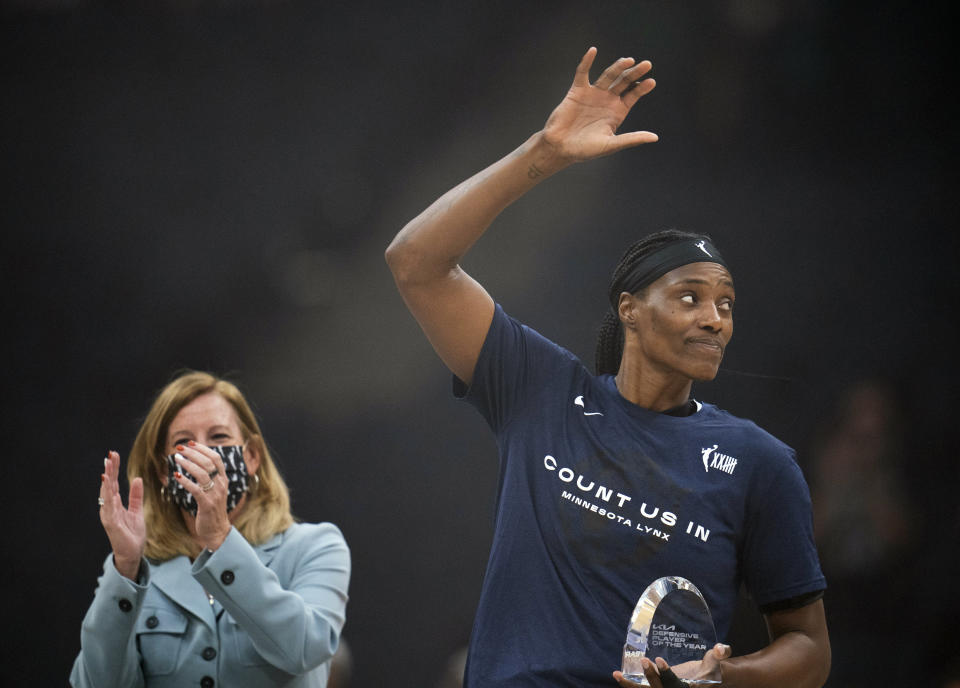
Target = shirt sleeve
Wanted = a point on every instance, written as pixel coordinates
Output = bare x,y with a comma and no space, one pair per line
514,361
108,651
780,557
296,628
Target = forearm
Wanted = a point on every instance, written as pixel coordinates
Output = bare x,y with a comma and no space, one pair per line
794,659
433,243
294,625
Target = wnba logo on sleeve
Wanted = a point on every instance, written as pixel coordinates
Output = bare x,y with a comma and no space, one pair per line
714,459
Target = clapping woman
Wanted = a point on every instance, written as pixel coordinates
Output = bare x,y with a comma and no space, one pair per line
210,581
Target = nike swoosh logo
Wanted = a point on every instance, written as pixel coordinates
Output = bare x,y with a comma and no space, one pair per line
579,402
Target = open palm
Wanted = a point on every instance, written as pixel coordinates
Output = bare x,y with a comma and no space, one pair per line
125,527
584,125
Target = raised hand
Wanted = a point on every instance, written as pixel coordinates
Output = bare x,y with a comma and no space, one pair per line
125,527
210,492
584,125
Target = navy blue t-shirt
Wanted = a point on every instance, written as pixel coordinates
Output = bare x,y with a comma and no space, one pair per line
598,497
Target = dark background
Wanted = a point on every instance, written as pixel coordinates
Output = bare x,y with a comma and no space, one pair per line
212,185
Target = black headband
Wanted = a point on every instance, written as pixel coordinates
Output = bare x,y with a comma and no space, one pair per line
654,266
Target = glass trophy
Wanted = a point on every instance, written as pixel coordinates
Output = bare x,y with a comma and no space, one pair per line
671,620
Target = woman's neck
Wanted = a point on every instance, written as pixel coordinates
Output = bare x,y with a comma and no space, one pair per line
652,389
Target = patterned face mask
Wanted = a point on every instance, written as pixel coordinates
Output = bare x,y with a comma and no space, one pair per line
234,467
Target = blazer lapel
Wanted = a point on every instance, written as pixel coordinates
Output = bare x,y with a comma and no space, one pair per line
173,579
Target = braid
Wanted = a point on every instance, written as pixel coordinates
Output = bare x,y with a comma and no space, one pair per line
610,335
609,344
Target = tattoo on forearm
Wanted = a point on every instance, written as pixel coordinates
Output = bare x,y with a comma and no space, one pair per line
533,172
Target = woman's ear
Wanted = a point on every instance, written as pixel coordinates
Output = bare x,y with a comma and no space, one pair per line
253,454
627,310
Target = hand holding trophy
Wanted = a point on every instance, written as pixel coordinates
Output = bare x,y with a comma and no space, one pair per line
672,621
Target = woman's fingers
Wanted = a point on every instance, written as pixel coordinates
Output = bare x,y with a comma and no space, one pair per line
184,480
631,139
623,681
109,490
203,463
112,512
650,671
218,468
108,469
209,484
196,467
624,78
582,76
667,678
618,77
135,501
613,72
629,78
641,89
104,496
189,467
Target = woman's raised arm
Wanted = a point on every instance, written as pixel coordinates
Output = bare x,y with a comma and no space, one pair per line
452,308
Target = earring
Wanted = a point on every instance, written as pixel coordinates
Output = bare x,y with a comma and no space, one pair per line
255,485
164,495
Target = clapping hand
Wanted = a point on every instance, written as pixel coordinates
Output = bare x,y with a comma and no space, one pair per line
125,527
209,489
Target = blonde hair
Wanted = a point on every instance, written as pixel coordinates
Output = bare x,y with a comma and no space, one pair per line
266,511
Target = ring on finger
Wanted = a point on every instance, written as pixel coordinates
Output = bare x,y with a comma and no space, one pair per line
208,486
100,501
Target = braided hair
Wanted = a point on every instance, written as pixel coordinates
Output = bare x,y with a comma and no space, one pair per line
610,336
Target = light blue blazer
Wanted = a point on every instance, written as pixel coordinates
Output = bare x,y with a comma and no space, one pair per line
275,621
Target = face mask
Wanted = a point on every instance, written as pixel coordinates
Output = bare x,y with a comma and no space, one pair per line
234,468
